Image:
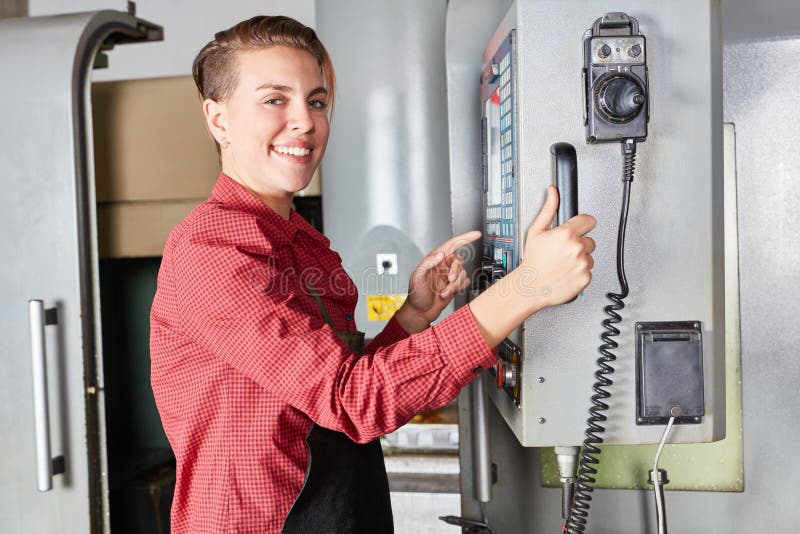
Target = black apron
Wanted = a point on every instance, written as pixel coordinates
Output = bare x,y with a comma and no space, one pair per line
346,490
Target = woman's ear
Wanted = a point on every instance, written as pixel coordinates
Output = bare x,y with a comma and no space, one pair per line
216,119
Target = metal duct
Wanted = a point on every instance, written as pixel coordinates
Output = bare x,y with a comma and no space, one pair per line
385,177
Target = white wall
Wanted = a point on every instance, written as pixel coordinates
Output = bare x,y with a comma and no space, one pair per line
188,25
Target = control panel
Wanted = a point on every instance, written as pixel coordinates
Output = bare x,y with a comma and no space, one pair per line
566,94
500,228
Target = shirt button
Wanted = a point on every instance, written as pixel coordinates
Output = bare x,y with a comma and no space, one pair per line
348,316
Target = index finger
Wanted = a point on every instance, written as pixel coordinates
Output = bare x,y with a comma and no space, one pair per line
456,242
580,224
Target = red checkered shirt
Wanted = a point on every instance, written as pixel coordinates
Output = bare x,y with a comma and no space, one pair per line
242,362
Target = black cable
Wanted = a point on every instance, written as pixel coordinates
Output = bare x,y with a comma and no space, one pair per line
579,511
470,524
486,519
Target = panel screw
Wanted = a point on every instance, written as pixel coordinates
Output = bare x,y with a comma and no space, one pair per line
697,325
542,420
541,380
675,411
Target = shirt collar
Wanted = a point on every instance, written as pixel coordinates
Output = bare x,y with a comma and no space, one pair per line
231,193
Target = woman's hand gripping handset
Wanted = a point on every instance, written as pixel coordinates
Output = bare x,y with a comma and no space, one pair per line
556,267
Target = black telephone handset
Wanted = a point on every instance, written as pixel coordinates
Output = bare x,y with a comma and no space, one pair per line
565,178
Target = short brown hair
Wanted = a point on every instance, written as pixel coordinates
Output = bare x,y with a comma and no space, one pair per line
215,69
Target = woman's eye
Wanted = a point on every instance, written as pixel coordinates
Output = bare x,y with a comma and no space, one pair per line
318,104
276,101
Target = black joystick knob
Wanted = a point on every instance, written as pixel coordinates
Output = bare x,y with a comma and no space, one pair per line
620,98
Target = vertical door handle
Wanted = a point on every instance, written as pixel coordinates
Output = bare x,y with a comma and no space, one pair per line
38,318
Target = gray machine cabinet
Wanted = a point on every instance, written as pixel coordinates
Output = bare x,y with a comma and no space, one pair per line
673,253
49,253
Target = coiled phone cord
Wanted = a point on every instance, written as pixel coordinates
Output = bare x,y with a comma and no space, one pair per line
579,511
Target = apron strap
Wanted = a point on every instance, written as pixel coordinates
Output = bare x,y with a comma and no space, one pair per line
354,340
320,305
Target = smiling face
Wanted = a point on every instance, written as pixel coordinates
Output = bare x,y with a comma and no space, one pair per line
273,129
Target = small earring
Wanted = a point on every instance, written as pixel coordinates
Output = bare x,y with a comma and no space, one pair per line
225,143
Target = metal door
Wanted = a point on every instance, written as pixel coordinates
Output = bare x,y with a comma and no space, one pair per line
48,260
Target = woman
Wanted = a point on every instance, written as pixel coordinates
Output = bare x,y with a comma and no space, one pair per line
256,362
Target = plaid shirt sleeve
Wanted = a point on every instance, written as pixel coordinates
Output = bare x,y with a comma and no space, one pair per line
391,334
240,307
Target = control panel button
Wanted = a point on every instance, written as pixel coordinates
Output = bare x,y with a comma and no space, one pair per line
501,374
506,374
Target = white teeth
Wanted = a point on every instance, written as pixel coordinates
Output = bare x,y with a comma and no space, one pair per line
292,150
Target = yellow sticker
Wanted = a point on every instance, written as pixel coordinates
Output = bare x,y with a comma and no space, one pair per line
382,307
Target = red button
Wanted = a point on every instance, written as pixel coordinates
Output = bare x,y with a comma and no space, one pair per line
501,374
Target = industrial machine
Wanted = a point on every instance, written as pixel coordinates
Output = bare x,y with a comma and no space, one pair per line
571,95
671,251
